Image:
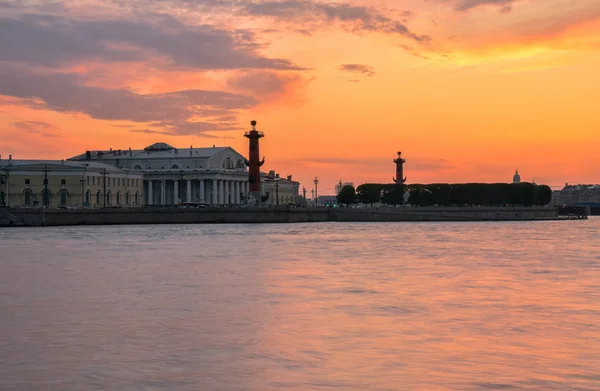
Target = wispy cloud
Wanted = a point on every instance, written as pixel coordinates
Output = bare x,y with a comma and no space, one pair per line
40,128
358,68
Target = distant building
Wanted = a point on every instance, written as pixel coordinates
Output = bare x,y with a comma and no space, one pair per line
70,184
576,194
517,177
214,175
327,200
341,185
282,191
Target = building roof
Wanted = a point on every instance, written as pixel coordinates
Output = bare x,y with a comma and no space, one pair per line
156,150
581,187
55,165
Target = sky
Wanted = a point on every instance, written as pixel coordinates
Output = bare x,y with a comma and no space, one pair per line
468,90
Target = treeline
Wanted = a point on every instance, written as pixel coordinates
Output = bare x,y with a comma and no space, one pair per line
446,194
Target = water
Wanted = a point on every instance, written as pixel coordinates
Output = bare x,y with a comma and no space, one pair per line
331,306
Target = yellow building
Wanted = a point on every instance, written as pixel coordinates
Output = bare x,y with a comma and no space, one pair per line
70,184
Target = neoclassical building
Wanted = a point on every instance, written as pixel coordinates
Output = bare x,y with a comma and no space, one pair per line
282,191
214,175
69,184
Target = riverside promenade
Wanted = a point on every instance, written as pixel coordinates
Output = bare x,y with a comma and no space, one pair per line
35,217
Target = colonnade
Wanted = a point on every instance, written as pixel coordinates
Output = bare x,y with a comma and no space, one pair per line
208,191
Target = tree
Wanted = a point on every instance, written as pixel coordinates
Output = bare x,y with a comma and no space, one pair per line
347,195
393,194
369,193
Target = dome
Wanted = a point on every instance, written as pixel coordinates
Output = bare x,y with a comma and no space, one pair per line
159,147
517,177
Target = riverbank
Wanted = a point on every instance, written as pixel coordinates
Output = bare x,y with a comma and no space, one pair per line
64,217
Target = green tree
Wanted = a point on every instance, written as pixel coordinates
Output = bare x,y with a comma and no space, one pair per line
347,195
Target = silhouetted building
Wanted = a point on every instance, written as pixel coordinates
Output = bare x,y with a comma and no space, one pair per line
517,177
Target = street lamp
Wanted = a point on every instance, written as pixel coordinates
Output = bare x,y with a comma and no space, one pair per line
316,181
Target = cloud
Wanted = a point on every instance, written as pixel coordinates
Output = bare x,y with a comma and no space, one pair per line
66,92
269,85
466,5
40,128
358,68
357,19
55,41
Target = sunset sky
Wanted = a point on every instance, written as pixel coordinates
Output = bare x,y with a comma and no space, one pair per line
468,90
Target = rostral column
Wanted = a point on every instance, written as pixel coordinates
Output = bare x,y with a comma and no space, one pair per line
254,163
400,179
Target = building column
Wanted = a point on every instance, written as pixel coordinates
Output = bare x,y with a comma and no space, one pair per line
188,195
226,192
202,190
150,195
237,192
213,193
176,191
163,193
220,192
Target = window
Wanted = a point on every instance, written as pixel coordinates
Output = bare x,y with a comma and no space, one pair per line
27,182
2,201
63,181
127,181
98,197
119,182
108,197
137,168
137,194
88,195
175,166
118,198
87,181
114,181
93,180
127,198
27,196
137,183
63,198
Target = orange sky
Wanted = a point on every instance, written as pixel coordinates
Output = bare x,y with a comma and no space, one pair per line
468,90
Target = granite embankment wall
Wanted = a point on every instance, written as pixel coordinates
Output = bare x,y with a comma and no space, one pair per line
58,217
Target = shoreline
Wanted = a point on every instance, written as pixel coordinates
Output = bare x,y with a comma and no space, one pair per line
38,217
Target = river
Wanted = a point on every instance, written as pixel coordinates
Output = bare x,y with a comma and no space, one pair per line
324,306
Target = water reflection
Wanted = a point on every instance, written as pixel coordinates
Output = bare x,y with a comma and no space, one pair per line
418,306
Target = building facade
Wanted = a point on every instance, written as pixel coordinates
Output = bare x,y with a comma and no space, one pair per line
69,184
282,191
216,176
576,194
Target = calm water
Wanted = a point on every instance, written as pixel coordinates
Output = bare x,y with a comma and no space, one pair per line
332,306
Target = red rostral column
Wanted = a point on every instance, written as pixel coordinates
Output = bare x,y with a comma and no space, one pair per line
254,163
400,179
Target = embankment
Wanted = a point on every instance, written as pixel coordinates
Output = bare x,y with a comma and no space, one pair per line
60,217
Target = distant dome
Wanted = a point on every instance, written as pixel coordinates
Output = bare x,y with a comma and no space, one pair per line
159,147
517,177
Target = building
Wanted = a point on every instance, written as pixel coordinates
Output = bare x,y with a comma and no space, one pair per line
327,200
576,194
172,175
282,191
517,177
69,184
